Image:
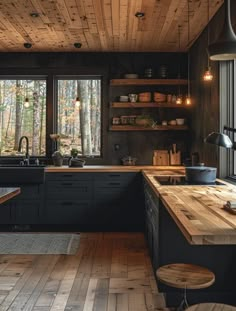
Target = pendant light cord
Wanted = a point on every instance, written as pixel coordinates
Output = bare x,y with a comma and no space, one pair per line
188,50
208,32
179,58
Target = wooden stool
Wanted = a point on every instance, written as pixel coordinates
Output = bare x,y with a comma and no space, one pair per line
185,276
211,306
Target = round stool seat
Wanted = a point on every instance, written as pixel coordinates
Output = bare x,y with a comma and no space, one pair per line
211,307
188,276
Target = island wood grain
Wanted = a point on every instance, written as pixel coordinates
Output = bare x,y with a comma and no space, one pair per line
111,271
198,210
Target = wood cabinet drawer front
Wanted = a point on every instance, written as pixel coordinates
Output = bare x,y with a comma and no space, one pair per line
62,189
68,176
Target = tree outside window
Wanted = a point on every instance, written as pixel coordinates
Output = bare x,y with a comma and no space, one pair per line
79,126
18,119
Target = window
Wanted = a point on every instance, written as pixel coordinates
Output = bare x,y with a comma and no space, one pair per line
18,118
79,121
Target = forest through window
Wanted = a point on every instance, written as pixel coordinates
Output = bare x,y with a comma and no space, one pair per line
79,116
22,113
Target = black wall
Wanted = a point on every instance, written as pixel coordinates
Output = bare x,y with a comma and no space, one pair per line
112,65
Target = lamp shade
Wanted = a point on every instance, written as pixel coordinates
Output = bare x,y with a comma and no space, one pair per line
224,48
219,139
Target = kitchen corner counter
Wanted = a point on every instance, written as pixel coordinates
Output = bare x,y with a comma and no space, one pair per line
198,210
8,193
109,168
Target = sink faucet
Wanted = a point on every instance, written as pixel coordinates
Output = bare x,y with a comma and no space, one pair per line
26,159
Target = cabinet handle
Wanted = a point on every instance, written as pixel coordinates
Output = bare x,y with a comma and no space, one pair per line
67,184
67,203
114,175
67,175
114,184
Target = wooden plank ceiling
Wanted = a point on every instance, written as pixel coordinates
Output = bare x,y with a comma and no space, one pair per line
102,25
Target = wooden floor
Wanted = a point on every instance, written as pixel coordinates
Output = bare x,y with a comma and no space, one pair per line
110,272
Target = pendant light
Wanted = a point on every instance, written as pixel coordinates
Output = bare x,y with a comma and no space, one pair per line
188,98
208,76
77,102
179,97
224,48
26,103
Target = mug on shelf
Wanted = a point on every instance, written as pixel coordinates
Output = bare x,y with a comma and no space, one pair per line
133,98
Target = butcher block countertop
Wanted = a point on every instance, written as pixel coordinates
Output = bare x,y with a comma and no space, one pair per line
8,193
198,210
108,168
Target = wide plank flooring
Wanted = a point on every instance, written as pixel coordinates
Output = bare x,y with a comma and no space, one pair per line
110,272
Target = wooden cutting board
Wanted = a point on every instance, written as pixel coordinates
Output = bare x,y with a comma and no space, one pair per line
175,156
161,157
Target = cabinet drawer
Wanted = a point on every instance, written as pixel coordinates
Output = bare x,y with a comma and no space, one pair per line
68,176
115,176
68,212
69,189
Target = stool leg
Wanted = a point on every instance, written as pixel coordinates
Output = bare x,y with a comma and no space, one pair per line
184,303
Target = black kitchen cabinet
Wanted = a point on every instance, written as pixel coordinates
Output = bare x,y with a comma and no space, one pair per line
152,224
95,201
69,198
25,208
118,201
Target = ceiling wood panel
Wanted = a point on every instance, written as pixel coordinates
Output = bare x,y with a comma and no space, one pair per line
102,25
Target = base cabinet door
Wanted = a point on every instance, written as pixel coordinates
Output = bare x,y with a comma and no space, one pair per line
24,208
68,212
6,210
27,212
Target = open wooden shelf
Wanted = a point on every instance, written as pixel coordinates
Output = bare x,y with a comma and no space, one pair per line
146,105
145,128
118,82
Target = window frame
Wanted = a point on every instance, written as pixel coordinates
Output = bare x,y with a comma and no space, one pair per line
50,74
227,157
29,77
55,106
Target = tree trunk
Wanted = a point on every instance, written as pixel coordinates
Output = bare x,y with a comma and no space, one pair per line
36,119
85,91
18,116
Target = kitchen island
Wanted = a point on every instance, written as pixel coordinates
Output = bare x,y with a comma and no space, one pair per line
198,210
187,224
8,193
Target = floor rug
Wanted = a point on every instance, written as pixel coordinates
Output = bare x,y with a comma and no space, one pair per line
39,243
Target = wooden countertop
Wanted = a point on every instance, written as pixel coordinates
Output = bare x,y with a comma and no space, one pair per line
8,193
198,210
109,168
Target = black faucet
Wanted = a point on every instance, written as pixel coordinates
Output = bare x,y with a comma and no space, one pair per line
26,159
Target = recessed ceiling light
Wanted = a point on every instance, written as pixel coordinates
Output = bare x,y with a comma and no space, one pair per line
139,14
27,45
34,14
77,45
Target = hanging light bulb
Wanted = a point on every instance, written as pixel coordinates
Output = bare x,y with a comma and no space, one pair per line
179,100
188,101
208,76
77,102
26,103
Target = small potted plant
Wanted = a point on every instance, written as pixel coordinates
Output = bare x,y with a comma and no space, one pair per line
144,120
74,152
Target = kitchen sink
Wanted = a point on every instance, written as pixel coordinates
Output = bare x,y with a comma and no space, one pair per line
17,174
